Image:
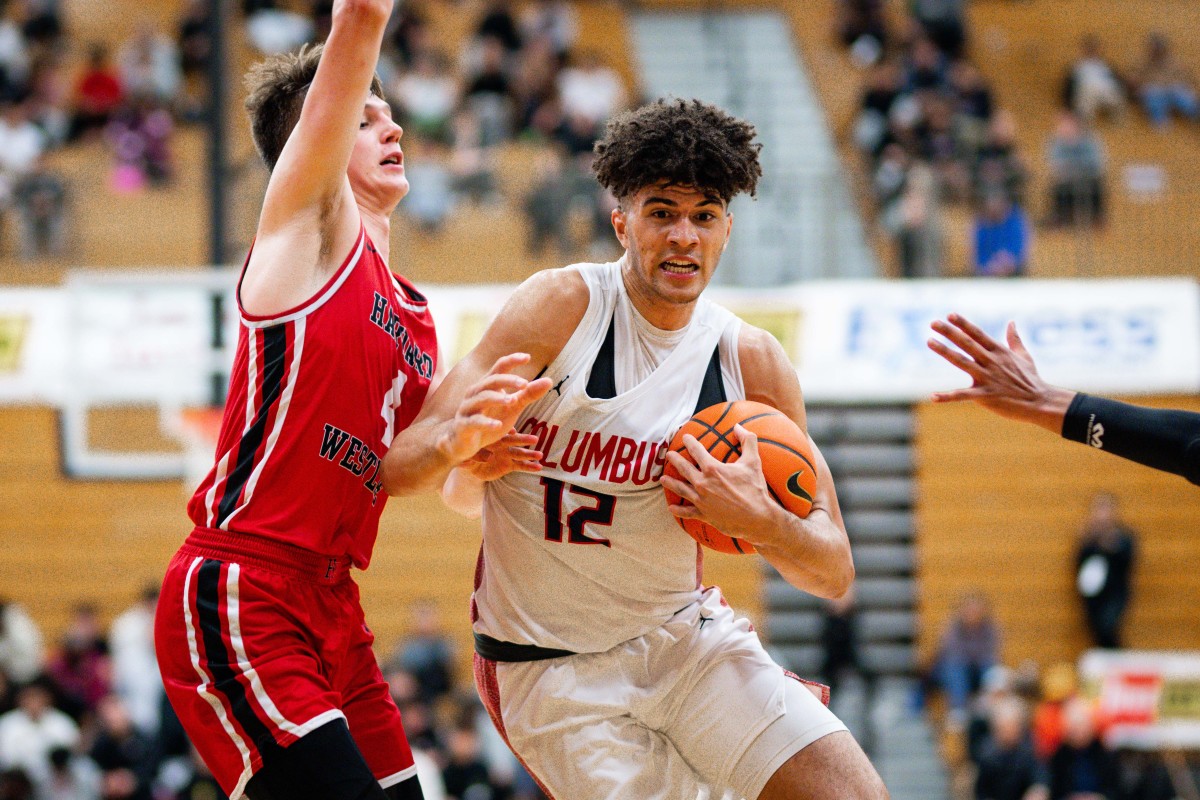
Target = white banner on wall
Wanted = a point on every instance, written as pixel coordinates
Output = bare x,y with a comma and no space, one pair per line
142,339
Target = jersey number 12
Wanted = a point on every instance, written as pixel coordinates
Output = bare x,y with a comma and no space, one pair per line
599,514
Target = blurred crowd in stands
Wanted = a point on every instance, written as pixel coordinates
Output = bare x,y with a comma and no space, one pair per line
87,719
1029,733
934,136
518,77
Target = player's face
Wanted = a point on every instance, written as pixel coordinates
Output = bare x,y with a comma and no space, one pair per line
673,238
376,167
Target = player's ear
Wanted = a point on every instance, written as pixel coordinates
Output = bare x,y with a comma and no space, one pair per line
618,223
728,230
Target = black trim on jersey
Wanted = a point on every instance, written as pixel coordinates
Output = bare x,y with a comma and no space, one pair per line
274,353
712,391
602,382
219,661
496,650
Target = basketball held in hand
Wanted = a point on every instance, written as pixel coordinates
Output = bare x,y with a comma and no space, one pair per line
787,461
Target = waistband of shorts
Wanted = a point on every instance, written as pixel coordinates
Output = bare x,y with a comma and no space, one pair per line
496,650
257,551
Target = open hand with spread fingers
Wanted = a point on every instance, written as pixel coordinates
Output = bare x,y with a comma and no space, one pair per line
1004,379
490,409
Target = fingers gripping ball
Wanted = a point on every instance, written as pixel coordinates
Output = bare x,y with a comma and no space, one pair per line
787,461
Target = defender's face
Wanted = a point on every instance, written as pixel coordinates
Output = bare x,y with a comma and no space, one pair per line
673,238
376,168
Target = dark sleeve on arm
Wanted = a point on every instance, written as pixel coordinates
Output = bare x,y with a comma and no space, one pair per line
1160,438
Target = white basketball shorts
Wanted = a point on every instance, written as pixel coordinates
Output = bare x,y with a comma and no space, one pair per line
694,708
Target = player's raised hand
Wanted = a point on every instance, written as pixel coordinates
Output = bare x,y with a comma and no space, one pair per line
512,453
1004,379
729,496
490,408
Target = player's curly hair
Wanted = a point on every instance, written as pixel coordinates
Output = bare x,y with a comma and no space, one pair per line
275,92
681,142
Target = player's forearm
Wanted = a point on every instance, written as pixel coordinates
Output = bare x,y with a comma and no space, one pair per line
1160,438
416,462
812,554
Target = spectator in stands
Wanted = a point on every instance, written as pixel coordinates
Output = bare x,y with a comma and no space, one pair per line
839,640
1077,166
125,755
20,643
140,140
71,777
969,647
1008,769
149,67
465,775
554,22
98,94
33,729
862,27
911,211
431,197
591,90
39,199
22,143
49,100
81,670
426,96
535,83
1164,84
944,22
940,145
472,167
972,104
1093,85
925,67
499,24
995,688
1059,685
1104,563
193,40
271,29
427,653
548,203
14,54
135,676
1082,768
998,167
489,92
408,32
884,86
43,25
1002,237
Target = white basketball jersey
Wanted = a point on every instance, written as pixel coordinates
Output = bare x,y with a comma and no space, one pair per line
585,555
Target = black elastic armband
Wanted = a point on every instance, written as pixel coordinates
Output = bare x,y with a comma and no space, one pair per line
1164,439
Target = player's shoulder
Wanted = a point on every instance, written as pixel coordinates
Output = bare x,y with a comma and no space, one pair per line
767,372
560,292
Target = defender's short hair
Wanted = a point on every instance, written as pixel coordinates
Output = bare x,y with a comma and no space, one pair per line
275,92
682,143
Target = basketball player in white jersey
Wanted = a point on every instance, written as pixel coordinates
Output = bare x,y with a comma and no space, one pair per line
612,672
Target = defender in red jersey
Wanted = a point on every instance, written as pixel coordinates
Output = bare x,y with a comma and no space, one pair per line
260,635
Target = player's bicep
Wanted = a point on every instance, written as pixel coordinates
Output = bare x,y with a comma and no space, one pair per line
537,319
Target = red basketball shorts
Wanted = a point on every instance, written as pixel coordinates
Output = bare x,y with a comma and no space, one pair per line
260,643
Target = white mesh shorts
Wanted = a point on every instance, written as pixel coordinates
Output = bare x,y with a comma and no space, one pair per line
694,708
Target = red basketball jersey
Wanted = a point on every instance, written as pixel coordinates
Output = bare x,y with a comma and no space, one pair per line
315,397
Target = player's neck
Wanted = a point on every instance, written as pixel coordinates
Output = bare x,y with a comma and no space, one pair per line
379,228
661,314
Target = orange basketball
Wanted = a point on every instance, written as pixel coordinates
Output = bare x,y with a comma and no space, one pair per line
787,461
